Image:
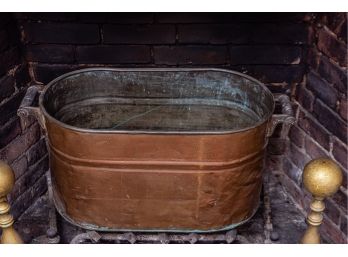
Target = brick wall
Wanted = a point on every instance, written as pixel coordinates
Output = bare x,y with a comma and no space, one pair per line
321,129
271,47
22,148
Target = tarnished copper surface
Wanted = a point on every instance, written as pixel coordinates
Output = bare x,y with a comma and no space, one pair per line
157,149
157,181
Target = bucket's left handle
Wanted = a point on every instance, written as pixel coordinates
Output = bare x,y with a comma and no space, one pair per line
286,117
26,109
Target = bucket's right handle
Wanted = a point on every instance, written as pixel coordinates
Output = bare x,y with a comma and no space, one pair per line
26,109
286,117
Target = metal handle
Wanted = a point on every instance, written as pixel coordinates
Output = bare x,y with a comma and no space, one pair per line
286,117
25,109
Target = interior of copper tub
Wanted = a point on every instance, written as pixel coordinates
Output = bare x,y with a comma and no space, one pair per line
201,100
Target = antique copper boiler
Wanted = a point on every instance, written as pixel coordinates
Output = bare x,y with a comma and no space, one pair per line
171,149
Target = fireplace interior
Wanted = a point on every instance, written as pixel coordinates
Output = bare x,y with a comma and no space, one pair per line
302,55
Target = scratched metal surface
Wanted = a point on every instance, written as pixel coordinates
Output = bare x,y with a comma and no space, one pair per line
158,100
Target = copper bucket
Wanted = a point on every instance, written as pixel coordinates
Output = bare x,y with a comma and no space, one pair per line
156,149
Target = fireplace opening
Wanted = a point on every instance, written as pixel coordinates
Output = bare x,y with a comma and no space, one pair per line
300,55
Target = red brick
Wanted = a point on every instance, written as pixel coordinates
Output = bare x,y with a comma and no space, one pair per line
304,97
243,33
332,232
50,53
336,22
28,180
20,166
18,146
333,74
174,55
28,197
295,108
22,76
340,198
265,55
7,87
330,120
113,54
9,58
36,151
5,18
9,131
342,32
306,200
47,16
211,34
9,36
3,40
313,149
273,73
64,33
286,33
345,178
292,188
314,129
313,58
343,108
117,18
13,33
332,211
333,48
141,34
297,136
339,151
344,226
9,109
292,171
298,156
322,89
187,17
90,17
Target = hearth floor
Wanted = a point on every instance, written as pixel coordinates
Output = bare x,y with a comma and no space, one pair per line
287,221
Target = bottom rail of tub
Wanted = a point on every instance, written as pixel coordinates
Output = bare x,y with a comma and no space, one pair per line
164,238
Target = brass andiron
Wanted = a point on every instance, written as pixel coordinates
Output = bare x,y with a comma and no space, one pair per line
322,178
7,179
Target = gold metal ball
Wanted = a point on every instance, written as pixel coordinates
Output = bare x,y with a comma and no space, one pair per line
322,177
7,179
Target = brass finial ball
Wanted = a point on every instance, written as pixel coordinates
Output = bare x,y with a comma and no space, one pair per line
322,177
7,179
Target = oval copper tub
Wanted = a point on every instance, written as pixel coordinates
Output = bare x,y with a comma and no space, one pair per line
156,149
